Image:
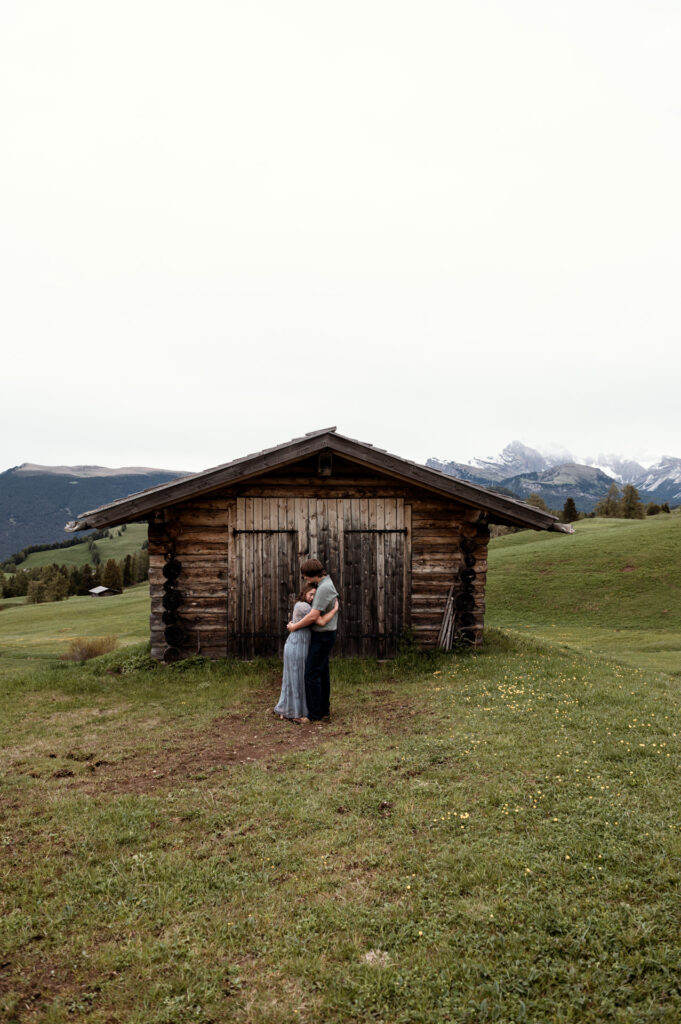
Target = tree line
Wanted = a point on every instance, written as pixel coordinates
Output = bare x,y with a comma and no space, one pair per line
57,582
10,564
627,505
613,505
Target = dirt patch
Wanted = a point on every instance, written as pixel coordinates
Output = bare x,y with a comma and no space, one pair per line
628,568
235,739
250,734
35,986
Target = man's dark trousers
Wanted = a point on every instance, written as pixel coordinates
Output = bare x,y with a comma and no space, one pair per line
317,678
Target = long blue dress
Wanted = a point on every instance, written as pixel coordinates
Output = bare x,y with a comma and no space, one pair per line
292,702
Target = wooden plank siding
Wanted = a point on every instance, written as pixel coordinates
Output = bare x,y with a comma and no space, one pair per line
200,535
238,583
436,558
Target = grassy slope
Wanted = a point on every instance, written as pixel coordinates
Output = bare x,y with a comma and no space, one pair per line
613,588
117,547
44,630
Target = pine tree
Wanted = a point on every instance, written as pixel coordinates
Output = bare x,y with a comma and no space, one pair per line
85,579
609,505
536,501
21,581
56,580
36,592
631,506
569,513
127,571
74,581
112,576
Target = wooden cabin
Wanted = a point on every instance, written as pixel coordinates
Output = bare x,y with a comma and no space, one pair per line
405,545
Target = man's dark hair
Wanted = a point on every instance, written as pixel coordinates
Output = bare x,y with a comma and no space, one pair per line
312,567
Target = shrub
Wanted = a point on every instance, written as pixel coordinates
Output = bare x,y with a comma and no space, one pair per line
82,648
187,664
136,661
128,660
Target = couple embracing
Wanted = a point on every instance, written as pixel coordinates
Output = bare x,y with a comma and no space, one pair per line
305,688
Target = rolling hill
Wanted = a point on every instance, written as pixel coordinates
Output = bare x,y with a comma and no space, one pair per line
117,545
612,588
36,501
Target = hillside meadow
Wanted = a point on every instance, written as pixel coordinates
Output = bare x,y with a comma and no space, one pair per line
614,588
476,836
117,546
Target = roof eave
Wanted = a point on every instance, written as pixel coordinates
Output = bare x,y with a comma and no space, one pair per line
140,505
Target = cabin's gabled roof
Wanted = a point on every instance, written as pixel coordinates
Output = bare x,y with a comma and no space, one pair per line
142,504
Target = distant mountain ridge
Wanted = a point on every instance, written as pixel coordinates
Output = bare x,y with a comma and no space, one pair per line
559,475
31,468
36,501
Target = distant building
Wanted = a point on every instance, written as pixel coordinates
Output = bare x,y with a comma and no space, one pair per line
102,592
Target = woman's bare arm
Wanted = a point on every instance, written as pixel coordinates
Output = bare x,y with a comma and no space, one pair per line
312,616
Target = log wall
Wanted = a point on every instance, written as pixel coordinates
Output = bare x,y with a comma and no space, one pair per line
445,543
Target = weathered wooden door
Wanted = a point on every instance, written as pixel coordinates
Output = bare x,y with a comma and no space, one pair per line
265,573
364,544
375,570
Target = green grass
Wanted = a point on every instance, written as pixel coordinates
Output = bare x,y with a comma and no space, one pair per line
118,546
511,851
614,588
43,631
488,836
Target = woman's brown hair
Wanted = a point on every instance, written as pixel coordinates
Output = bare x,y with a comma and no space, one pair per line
303,592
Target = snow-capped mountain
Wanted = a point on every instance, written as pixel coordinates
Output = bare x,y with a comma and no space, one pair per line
624,471
662,480
558,474
516,458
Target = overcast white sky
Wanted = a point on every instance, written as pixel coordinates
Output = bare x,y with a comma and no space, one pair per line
440,226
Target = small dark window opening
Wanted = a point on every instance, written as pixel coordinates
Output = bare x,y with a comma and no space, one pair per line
325,464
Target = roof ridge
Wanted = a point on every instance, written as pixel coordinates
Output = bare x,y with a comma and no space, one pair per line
183,488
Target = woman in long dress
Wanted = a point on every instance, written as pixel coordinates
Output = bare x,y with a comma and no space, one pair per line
292,702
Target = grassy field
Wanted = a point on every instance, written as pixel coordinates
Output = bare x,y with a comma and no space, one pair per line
489,836
614,588
117,546
42,631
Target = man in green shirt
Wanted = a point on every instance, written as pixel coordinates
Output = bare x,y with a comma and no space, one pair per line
317,678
